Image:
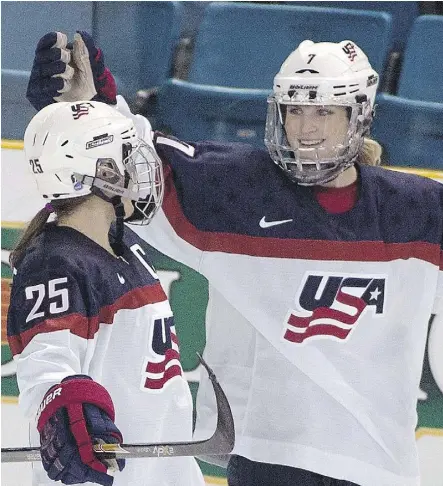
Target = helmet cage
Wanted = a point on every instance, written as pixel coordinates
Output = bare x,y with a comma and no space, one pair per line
142,180
316,165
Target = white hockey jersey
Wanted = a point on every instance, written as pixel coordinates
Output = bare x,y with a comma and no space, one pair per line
316,323
76,309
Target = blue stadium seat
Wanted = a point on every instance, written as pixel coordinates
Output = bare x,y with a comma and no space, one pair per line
16,109
421,76
195,112
403,15
410,131
138,39
410,124
242,45
23,23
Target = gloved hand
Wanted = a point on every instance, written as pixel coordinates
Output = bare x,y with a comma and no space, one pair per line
104,82
73,416
65,72
51,72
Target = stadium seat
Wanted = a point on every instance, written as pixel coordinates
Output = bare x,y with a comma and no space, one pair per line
239,49
421,76
200,112
138,39
16,109
410,124
410,131
23,23
403,15
242,45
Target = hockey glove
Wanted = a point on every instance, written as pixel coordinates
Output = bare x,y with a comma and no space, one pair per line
51,73
73,416
103,80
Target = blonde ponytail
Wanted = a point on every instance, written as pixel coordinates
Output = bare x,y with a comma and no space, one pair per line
370,153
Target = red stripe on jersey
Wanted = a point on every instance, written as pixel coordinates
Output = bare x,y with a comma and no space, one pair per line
318,329
159,367
85,327
171,372
326,250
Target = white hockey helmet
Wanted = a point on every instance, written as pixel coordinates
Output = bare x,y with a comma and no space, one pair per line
75,149
323,75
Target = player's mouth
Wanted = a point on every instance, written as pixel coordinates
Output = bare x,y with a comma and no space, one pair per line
311,143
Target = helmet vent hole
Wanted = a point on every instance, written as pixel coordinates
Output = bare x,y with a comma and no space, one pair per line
44,141
35,136
69,156
58,177
65,142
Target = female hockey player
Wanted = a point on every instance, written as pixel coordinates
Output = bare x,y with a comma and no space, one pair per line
89,324
316,261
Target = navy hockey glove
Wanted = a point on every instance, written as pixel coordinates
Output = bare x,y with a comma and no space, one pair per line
51,72
103,80
73,416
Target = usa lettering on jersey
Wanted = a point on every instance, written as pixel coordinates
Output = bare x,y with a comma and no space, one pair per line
330,306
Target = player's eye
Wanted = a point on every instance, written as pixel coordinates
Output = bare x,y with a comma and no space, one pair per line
295,110
325,111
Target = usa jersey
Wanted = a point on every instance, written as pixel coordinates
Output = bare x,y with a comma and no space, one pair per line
316,322
76,309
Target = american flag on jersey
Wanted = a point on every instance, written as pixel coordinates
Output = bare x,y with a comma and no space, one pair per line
164,362
80,109
332,305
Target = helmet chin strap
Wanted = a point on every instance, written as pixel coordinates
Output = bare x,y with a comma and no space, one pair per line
119,209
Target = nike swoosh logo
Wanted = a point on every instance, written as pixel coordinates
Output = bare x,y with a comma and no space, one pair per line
121,279
267,224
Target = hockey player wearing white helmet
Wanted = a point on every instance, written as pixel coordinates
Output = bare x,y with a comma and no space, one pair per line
320,111
316,261
88,319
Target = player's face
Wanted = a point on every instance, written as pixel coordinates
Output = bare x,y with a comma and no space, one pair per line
320,127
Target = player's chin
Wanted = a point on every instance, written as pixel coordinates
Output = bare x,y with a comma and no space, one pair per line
129,208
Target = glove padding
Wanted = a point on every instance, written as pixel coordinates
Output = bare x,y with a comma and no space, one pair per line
75,415
104,82
51,72
69,72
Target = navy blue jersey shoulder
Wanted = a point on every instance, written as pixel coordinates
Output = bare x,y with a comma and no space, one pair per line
231,187
67,273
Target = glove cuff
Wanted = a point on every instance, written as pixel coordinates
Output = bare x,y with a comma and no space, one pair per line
74,391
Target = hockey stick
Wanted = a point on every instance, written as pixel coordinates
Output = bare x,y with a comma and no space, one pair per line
221,442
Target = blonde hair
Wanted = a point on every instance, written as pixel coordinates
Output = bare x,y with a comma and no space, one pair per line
370,153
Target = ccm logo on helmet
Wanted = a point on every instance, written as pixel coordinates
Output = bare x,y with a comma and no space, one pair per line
372,79
48,399
99,141
303,86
